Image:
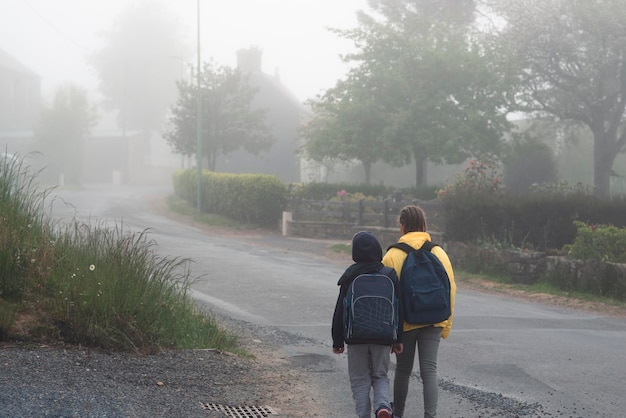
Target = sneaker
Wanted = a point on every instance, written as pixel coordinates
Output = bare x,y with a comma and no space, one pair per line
383,413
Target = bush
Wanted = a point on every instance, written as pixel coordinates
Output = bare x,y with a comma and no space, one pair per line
476,207
252,198
598,242
326,191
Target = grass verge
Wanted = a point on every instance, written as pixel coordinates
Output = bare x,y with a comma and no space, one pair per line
92,285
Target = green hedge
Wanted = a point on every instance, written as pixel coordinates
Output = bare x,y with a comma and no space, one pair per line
252,198
540,222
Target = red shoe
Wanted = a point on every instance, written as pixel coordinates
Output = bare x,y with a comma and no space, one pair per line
383,413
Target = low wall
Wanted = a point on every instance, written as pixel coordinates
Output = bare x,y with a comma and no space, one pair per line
342,231
525,267
529,267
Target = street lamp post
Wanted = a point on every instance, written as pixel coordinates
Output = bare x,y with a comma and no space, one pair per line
199,125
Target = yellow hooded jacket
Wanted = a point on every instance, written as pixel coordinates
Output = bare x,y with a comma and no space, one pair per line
395,258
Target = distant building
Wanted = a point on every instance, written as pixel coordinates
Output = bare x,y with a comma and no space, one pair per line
20,92
20,95
111,156
284,113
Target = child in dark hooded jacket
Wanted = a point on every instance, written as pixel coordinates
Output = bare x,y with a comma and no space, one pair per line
368,364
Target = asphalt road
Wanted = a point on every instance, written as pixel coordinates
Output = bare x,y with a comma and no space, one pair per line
504,357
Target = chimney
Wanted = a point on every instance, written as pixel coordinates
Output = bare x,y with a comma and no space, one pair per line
249,60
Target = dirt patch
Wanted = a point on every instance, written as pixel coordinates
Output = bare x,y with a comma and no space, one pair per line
288,390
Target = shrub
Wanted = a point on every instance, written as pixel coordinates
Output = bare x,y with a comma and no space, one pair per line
479,177
598,242
252,198
326,191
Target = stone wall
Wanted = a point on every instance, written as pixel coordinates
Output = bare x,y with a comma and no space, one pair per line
525,267
529,267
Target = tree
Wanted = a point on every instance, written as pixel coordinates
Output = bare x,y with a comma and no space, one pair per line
569,61
139,64
528,162
228,120
441,101
348,123
61,132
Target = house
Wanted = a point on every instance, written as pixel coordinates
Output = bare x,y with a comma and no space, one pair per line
284,113
20,91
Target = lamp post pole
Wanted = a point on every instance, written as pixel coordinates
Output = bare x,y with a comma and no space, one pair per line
199,124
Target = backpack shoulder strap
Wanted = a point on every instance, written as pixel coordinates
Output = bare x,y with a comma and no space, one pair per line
428,245
401,246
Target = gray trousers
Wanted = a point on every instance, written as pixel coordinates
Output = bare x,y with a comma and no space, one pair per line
368,365
426,340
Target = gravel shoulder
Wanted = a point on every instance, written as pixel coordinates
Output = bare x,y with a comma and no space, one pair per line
71,381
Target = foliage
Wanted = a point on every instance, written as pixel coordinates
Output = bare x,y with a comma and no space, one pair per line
257,199
567,61
598,242
477,207
528,162
431,82
561,188
348,123
97,286
22,228
61,132
422,192
478,178
228,120
327,191
343,196
139,63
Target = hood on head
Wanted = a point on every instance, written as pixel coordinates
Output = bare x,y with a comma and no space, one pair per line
366,248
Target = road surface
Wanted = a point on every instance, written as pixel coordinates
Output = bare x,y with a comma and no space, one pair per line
504,358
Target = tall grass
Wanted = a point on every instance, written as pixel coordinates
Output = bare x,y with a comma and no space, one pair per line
94,285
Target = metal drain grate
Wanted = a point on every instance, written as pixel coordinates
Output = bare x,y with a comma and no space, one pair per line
239,411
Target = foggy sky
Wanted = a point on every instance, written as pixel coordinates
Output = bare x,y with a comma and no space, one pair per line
53,38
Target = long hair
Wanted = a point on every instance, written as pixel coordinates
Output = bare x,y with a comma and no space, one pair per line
413,219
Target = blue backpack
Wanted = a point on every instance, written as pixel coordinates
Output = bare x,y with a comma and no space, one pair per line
424,286
370,309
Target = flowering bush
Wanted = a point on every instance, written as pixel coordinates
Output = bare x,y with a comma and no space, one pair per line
479,176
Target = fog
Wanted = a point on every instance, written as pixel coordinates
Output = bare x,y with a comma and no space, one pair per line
55,43
53,38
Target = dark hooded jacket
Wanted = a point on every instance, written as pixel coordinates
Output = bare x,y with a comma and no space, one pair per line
367,255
